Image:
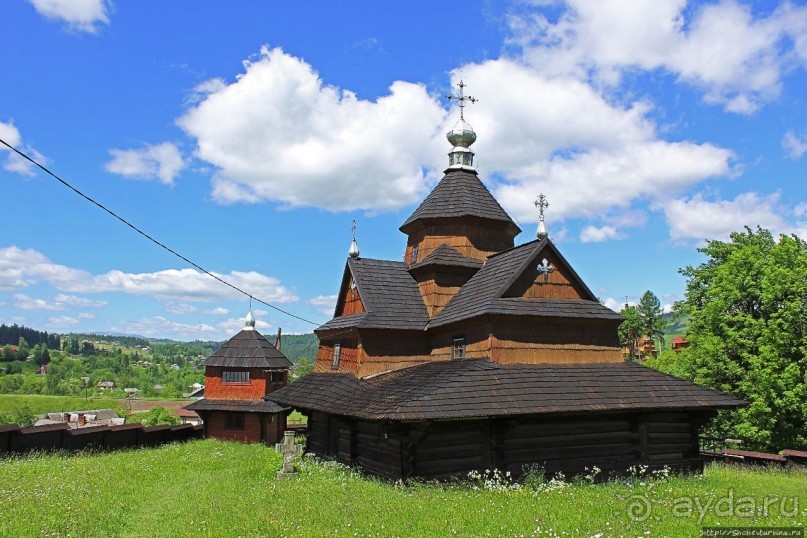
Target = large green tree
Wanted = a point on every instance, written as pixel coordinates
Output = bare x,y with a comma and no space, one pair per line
630,330
748,331
651,315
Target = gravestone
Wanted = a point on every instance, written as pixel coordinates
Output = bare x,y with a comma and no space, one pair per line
289,451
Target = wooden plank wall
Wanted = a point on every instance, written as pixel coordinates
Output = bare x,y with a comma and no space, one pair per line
317,436
438,289
215,422
385,352
348,358
450,449
375,452
352,303
477,342
471,240
555,343
559,285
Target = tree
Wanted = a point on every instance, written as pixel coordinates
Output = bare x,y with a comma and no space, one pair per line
652,316
23,350
631,329
160,415
748,332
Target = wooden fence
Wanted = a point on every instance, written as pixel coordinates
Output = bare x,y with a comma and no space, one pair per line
16,440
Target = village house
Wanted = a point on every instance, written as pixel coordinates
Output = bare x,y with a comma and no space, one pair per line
82,419
679,343
473,353
238,377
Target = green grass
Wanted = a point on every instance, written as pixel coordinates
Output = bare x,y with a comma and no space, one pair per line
53,404
212,488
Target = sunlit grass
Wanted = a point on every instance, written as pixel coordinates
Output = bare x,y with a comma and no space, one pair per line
213,488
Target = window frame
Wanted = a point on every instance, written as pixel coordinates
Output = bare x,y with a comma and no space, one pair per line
458,347
241,379
336,355
235,421
413,256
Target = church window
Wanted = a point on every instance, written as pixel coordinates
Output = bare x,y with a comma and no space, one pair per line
337,353
234,421
414,257
235,376
458,347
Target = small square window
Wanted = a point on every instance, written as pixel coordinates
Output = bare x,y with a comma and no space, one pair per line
234,421
337,353
458,347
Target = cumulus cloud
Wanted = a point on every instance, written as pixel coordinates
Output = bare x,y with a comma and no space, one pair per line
62,322
162,162
20,268
736,58
231,326
561,137
180,308
279,133
594,234
13,162
794,145
218,311
160,327
325,304
701,218
24,302
83,302
81,15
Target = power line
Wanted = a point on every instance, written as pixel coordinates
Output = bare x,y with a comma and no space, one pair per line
149,237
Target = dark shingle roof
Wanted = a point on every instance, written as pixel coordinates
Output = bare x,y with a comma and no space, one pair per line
242,406
482,294
459,194
445,256
390,296
248,349
480,388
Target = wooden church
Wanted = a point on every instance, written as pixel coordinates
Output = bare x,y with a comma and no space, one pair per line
238,376
473,353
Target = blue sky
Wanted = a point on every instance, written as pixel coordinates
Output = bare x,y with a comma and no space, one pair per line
248,136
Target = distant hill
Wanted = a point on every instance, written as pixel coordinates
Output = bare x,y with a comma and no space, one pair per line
297,346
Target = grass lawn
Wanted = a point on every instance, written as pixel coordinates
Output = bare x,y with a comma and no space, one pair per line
212,488
53,404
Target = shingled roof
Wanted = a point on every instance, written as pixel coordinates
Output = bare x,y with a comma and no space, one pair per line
481,388
242,406
446,257
459,194
248,349
389,294
482,294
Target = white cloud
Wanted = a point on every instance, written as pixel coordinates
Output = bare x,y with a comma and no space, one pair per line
234,325
160,327
324,303
594,234
218,311
13,162
794,145
701,218
20,268
180,308
613,304
86,315
736,58
72,300
82,15
278,133
24,302
63,322
161,161
561,137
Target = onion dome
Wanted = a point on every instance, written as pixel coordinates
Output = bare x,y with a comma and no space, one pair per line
249,322
353,252
462,134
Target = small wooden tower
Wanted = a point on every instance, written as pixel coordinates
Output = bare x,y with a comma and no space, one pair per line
238,377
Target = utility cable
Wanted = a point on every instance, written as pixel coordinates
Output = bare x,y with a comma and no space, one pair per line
149,237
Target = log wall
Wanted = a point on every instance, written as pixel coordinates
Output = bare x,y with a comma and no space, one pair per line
570,445
555,342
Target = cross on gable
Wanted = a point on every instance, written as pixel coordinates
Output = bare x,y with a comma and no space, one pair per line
545,269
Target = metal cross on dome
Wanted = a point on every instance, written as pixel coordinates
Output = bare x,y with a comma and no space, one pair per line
461,98
353,228
541,204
